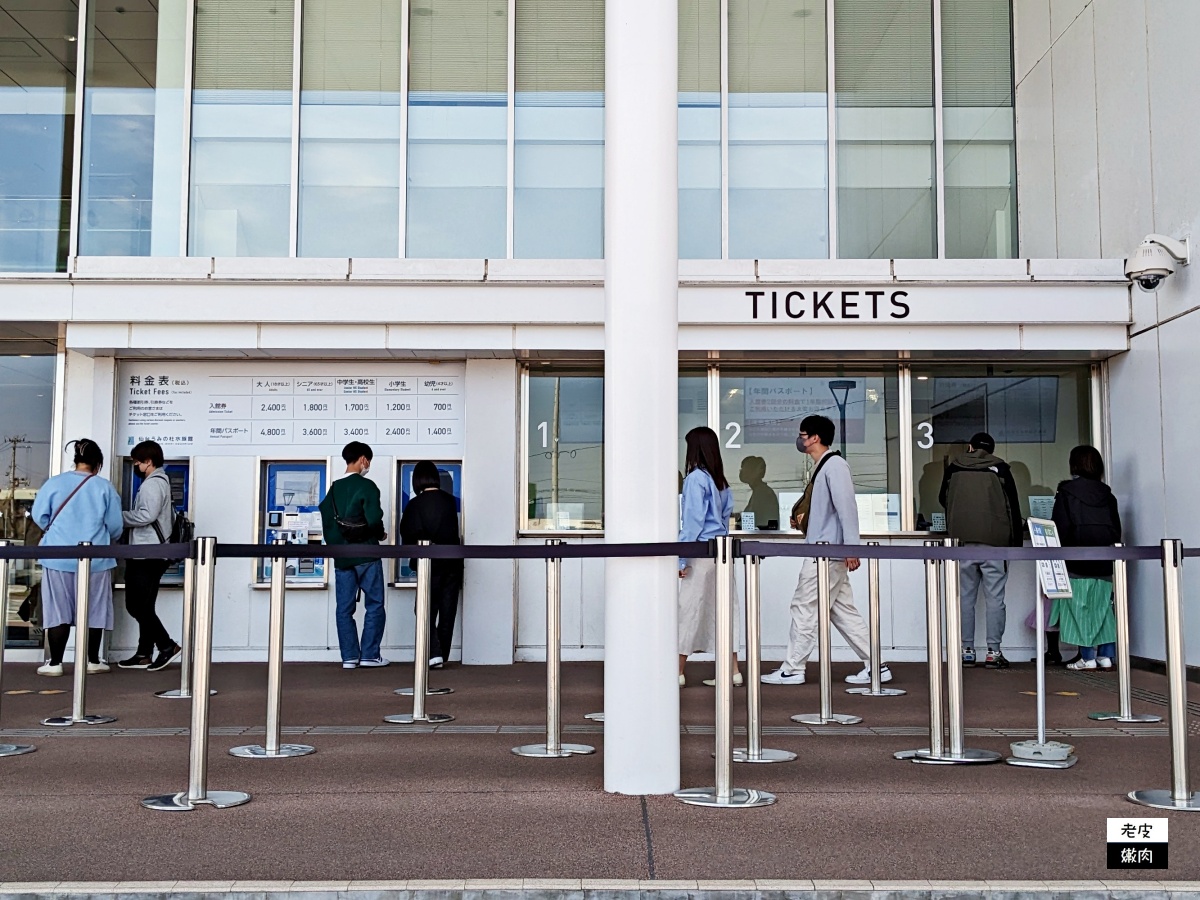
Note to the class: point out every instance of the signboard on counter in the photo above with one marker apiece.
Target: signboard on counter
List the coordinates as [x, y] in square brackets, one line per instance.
[232, 408]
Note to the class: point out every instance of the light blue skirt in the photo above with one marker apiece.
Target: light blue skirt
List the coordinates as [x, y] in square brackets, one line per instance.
[58, 598]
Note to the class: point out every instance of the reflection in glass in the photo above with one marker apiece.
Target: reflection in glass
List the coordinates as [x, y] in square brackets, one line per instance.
[693, 411]
[133, 129]
[977, 96]
[241, 129]
[37, 99]
[699, 129]
[565, 445]
[761, 415]
[1035, 414]
[558, 197]
[457, 129]
[350, 129]
[778, 130]
[885, 129]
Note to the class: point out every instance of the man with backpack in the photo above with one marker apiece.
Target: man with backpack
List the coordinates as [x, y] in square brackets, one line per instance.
[149, 522]
[982, 509]
[352, 514]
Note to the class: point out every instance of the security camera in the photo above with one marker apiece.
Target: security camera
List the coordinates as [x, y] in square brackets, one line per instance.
[1155, 258]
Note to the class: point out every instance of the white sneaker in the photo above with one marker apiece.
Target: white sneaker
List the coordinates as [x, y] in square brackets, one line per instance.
[864, 677]
[52, 671]
[1082, 664]
[783, 676]
[436, 662]
[98, 668]
[376, 663]
[682, 680]
[1104, 662]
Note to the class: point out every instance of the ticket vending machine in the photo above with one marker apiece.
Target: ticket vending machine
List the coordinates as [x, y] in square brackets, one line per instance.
[179, 472]
[451, 477]
[289, 494]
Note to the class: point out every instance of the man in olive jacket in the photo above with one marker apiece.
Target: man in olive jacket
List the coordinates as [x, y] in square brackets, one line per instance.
[354, 499]
[982, 509]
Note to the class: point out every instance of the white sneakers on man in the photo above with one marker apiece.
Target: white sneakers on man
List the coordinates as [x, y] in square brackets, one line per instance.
[864, 677]
[783, 675]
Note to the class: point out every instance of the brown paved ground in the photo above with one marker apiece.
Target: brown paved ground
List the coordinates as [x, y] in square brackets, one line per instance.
[460, 805]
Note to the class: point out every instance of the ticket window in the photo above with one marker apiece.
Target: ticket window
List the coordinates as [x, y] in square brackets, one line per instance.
[179, 473]
[289, 496]
[451, 482]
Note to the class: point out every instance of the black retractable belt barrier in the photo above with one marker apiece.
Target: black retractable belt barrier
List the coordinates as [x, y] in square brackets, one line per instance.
[876, 688]
[420, 686]
[1124, 682]
[5, 570]
[754, 752]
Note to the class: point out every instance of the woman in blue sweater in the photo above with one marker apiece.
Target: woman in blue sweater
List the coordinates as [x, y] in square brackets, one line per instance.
[704, 513]
[73, 507]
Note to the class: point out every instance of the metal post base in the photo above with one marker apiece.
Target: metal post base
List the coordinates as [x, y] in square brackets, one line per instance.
[946, 759]
[177, 694]
[1164, 800]
[1117, 717]
[408, 719]
[882, 692]
[742, 754]
[15, 749]
[1042, 763]
[180, 802]
[543, 752]
[408, 692]
[739, 798]
[64, 721]
[257, 751]
[818, 719]
[594, 717]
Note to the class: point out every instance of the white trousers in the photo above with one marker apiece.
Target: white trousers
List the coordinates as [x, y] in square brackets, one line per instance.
[802, 636]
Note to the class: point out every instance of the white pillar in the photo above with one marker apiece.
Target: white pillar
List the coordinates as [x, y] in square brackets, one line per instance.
[641, 386]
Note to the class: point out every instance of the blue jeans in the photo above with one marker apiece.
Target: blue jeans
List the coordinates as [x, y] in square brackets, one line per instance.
[1109, 650]
[991, 575]
[367, 578]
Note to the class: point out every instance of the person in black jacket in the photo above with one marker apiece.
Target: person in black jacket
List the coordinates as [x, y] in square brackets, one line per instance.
[1086, 514]
[432, 515]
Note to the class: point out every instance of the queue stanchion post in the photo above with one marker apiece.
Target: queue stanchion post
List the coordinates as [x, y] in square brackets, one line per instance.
[754, 752]
[873, 602]
[187, 628]
[1124, 679]
[197, 791]
[5, 572]
[958, 754]
[408, 691]
[1180, 796]
[79, 716]
[271, 747]
[554, 748]
[419, 715]
[933, 645]
[724, 795]
[825, 648]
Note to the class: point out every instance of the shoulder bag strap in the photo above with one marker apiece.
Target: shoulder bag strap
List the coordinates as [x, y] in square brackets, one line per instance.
[63, 505]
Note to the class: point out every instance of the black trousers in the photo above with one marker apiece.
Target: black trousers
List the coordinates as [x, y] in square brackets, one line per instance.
[444, 588]
[141, 592]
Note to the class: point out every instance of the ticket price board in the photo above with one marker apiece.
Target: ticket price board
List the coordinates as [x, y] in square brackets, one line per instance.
[289, 497]
[199, 408]
[451, 483]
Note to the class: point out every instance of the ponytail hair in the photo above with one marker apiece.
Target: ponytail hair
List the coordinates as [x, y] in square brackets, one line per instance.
[88, 453]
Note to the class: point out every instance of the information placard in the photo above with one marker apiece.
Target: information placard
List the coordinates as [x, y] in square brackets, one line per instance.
[1052, 573]
[197, 408]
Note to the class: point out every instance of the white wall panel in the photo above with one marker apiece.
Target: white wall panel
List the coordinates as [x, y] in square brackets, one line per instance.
[1031, 37]
[1077, 198]
[1064, 14]
[1035, 162]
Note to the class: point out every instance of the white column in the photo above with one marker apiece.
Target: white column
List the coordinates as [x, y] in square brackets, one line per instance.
[641, 386]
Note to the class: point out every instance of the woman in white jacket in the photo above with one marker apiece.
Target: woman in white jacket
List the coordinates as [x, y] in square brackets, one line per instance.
[149, 522]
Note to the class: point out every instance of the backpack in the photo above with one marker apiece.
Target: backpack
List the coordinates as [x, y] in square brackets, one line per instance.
[182, 530]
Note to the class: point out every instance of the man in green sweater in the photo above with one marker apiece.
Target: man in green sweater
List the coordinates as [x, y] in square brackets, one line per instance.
[351, 514]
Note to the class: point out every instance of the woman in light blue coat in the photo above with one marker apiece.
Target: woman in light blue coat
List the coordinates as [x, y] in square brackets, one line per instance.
[704, 513]
[73, 507]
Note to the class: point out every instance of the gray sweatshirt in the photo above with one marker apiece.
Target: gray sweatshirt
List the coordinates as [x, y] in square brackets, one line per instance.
[833, 515]
[152, 503]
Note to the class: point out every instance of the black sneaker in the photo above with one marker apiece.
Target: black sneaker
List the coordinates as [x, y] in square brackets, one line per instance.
[165, 658]
[137, 661]
[995, 660]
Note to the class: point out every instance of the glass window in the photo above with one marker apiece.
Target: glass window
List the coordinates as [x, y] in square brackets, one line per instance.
[699, 129]
[977, 98]
[564, 439]
[761, 413]
[26, 409]
[242, 129]
[350, 129]
[885, 129]
[778, 130]
[558, 199]
[457, 129]
[1035, 415]
[693, 410]
[37, 102]
[133, 110]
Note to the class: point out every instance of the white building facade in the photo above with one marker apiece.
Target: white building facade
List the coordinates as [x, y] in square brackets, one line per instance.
[550, 244]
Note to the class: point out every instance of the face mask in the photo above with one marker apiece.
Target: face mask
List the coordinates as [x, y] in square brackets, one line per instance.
[800, 445]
